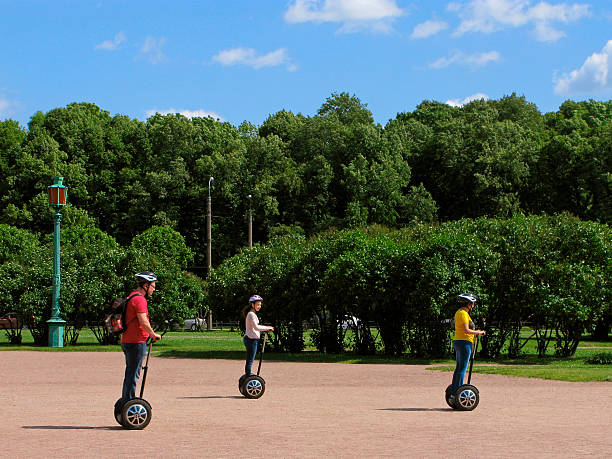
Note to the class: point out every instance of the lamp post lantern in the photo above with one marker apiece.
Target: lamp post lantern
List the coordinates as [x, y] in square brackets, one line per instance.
[57, 199]
[250, 224]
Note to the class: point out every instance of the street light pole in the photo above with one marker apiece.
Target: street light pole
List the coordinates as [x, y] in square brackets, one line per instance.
[209, 235]
[209, 227]
[250, 224]
[57, 199]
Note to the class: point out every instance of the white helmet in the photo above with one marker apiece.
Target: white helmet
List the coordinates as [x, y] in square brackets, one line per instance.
[466, 298]
[145, 276]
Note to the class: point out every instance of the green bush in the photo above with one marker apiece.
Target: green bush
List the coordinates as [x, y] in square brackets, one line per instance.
[549, 272]
[94, 270]
[601, 358]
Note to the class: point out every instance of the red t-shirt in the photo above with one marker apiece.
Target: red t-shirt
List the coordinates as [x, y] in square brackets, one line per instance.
[135, 333]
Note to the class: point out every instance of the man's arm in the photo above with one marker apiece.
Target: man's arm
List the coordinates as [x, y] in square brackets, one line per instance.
[143, 320]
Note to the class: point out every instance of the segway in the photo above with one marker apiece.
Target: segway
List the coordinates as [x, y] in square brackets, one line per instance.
[467, 396]
[253, 386]
[135, 414]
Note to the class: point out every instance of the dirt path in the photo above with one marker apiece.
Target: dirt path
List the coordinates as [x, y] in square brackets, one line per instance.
[60, 405]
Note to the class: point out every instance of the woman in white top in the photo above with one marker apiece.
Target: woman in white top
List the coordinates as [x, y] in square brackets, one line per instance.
[253, 330]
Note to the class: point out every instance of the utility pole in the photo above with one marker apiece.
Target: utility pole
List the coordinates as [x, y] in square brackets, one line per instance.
[209, 245]
[250, 224]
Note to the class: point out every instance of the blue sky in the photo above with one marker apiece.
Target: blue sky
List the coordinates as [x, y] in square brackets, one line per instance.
[242, 60]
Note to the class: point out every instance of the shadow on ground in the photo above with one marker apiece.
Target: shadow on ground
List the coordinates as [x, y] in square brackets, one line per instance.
[72, 427]
[306, 356]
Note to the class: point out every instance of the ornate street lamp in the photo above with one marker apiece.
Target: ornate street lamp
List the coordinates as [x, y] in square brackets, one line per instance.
[57, 200]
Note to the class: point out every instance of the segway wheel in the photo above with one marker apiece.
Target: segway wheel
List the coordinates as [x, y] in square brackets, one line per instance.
[118, 411]
[241, 383]
[467, 397]
[447, 396]
[254, 386]
[136, 414]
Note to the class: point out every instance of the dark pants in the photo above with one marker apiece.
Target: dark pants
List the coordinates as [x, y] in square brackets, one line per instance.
[462, 354]
[251, 349]
[134, 355]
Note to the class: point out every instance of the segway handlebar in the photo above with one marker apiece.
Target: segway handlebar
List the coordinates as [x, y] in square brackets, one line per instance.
[472, 359]
[261, 353]
[146, 365]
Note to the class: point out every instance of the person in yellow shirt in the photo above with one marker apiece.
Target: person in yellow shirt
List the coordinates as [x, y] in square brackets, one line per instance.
[463, 339]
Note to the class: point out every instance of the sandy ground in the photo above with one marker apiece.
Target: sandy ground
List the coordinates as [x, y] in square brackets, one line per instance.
[61, 405]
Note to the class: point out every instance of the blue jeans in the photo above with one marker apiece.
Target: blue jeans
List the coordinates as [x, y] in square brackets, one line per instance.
[251, 349]
[134, 355]
[463, 350]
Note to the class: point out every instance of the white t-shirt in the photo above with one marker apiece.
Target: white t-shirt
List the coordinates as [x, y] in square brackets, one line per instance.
[252, 326]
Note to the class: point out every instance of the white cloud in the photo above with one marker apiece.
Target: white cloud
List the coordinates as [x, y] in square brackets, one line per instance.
[428, 28]
[186, 113]
[470, 60]
[7, 107]
[544, 32]
[595, 75]
[4, 104]
[251, 58]
[111, 45]
[355, 15]
[152, 49]
[467, 100]
[492, 15]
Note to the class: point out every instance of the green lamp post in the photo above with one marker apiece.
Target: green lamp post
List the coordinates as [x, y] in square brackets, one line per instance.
[57, 200]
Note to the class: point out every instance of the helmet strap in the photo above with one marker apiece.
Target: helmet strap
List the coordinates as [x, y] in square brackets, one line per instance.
[145, 289]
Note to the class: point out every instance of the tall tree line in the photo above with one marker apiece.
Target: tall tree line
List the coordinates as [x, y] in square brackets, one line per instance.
[338, 168]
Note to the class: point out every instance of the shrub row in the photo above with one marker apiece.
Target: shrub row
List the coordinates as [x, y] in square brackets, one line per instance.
[550, 272]
[94, 270]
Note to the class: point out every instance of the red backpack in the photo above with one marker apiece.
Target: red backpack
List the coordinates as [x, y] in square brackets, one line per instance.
[115, 320]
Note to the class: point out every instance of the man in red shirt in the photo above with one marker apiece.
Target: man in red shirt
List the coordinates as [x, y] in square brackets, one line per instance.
[138, 329]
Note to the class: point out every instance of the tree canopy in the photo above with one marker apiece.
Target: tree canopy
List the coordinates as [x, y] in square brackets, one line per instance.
[495, 158]
[137, 190]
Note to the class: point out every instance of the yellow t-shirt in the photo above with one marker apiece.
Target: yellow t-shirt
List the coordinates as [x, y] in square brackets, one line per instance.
[462, 317]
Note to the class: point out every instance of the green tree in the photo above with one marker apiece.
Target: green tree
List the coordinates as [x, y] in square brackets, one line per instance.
[348, 109]
[473, 161]
[179, 294]
[17, 248]
[573, 173]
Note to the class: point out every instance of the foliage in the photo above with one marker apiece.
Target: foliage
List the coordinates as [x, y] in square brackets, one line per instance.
[94, 270]
[495, 158]
[601, 358]
[550, 272]
[453, 187]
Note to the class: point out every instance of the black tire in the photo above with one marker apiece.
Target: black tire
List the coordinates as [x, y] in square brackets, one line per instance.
[194, 327]
[447, 395]
[241, 383]
[136, 414]
[118, 411]
[467, 397]
[254, 386]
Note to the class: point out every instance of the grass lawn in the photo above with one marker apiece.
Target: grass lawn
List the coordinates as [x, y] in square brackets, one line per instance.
[570, 369]
[224, 344]
[529, 365]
